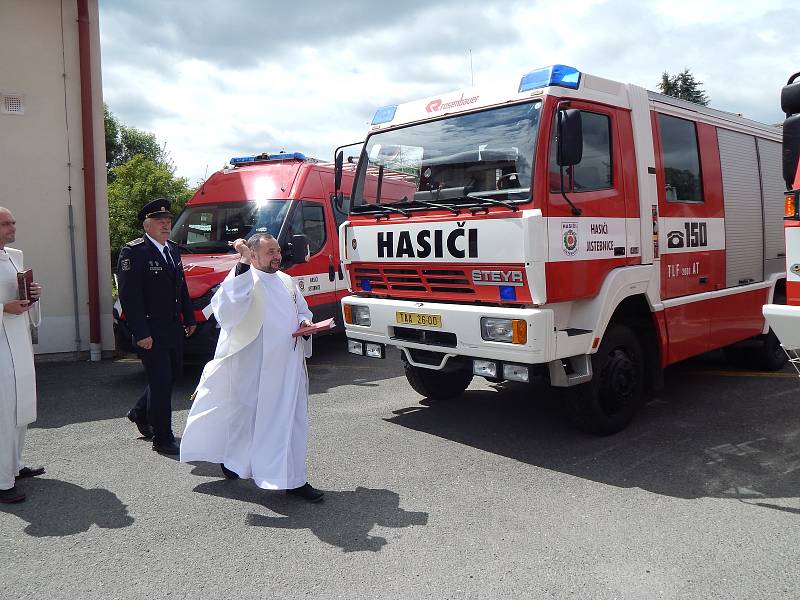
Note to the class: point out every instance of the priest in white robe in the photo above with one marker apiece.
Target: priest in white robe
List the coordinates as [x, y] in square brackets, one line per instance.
[17, 375]
[250, 410]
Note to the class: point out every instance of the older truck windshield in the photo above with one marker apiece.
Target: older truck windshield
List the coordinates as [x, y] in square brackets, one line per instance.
[208, 228]
[485, 154]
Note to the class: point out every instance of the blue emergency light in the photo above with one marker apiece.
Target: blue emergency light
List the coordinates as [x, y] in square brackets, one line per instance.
[243, 160]
[508, 292]
[384, 115]
[366, 285]
[562, 75]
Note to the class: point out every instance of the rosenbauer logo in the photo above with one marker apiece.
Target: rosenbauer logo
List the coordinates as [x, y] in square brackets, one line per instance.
[437, 105]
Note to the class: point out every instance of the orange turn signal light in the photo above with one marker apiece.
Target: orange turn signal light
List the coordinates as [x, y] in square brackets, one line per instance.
[790, 206]
[519, 331]
[348, 313]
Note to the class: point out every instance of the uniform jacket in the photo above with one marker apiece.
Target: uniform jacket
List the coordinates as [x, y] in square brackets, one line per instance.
[153, 295]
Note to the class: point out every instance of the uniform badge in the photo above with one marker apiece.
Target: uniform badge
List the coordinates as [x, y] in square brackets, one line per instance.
[126, 264]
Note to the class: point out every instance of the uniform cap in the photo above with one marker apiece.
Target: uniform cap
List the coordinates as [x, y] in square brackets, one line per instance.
[155, 208]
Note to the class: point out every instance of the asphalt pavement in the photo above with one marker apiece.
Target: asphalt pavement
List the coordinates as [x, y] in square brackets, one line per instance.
[491, 495]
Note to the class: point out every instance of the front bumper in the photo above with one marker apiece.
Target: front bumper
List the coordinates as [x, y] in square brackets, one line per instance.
[460, 331]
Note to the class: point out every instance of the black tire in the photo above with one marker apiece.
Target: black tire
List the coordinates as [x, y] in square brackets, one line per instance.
[608, 403]
[763, 353]
[771, 356]
[437, 385]
[737, 357]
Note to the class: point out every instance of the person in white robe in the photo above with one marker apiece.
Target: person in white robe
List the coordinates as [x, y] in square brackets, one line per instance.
[250, 409]
[17, 375]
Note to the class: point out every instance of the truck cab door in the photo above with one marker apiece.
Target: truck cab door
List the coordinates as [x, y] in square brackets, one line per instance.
[583, 248]
[314, 277]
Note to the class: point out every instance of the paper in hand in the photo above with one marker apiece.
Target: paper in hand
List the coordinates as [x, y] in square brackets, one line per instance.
[325, 325]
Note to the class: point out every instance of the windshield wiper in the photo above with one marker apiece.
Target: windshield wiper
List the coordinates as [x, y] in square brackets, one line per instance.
[452, 209]
[513, 207]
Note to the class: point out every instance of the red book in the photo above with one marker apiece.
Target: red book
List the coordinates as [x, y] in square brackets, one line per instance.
[315, 328]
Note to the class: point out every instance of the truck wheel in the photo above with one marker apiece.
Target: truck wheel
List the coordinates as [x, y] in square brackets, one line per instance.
[608, 403]
[438, 385]
[771, 356]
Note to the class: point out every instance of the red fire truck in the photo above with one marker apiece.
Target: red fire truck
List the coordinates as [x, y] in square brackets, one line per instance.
[785, 320]
[287, 195]
[566, 226]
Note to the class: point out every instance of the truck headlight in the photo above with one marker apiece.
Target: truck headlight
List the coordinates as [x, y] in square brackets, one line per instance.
[356, 314]
[510, 331]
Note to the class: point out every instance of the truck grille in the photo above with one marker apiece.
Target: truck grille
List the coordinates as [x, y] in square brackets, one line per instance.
[410, 280]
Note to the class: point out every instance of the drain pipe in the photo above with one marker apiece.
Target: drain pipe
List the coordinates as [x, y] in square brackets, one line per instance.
[87, 119]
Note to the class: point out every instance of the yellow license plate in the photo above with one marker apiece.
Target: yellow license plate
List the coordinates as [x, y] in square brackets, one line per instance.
[407, 318]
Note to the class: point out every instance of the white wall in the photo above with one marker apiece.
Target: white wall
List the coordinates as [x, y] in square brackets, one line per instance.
[41, 158]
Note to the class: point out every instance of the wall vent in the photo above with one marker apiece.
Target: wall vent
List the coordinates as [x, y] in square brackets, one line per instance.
[12, 104]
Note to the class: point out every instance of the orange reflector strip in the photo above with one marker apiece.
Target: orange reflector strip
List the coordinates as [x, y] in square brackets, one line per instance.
[348, 313]
[595, 342]
[789, 207]
[519, 328]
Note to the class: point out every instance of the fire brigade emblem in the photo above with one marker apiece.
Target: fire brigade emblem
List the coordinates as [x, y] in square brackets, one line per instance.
[302, 285]
[569, 237]
[354, 244]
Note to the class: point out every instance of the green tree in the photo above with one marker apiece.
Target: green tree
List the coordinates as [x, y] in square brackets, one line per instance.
[134, 184]
[124, 142]
[683, 86]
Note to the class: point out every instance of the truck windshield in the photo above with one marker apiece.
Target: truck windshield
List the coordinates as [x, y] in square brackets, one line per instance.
[456, 160]
[209, 228]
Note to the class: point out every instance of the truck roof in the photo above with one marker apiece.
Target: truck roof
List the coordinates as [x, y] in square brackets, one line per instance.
[561, 80]
[267, 180]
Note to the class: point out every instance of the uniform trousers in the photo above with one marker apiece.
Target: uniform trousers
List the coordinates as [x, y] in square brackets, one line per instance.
[12, 437]
[163, 364]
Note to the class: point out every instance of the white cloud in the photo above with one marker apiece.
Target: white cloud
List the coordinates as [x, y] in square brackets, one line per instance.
[216, 80]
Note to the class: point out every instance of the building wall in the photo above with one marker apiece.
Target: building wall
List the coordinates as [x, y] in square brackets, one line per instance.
[41, 170]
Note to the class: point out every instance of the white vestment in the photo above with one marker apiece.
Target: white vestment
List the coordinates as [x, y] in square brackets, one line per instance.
[17, 375]
[250, 410]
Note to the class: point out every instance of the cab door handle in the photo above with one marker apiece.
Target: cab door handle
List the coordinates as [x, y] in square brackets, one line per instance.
[704, 279]
[331, 270]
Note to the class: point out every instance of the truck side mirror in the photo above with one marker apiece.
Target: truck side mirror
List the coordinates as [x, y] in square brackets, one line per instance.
[570, 137]
[341, 203]
[298, 249]
[790, 104]
[791, 149]
[337, 172]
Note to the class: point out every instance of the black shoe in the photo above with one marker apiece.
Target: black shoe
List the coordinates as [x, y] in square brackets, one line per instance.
[228, 473]
[166, 447]
[307, 493]
[11, 496]
[141, 424]
[29, 472]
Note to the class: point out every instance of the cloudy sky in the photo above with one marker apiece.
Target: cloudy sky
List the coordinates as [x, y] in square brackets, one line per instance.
[216, 79]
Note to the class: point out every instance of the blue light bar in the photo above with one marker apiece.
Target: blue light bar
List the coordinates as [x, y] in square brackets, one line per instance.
[384, 115]
[508, 292]
[366, 285]
[568, 77]
[243, 160]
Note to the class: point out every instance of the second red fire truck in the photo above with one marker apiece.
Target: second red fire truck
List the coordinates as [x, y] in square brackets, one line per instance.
[566, 226]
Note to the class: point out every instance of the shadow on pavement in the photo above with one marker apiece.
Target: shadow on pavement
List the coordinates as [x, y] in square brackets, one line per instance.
[56, 508]
[342, 519]
[710, 433]
[79, 392]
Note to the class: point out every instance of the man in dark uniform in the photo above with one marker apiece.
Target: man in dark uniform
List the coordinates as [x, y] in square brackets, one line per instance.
[156, 305]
